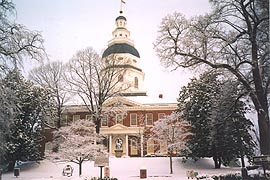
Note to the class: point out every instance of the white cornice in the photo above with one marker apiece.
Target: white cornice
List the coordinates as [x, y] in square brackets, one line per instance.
[121, 129]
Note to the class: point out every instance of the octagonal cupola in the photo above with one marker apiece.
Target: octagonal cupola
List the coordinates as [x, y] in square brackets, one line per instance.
[121, 22]
[121, 51]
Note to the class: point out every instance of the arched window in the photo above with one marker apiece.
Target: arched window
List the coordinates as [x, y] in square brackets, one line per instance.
[136, 82]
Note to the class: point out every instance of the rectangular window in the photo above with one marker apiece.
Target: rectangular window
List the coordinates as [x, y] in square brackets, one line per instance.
[133, 119]
[64, 119]
[163, 148]
[76, 117]
[133, 146]
[104, 121]
[149, 119]
[161, 115]
[119, 119]
[150, 147]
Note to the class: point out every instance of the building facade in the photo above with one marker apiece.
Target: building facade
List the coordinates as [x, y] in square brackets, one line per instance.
[127, 129]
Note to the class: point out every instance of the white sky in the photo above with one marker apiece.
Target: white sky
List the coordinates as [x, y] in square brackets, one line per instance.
[71, 25]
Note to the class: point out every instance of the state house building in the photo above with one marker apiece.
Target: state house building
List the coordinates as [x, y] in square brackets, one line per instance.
[127, 133]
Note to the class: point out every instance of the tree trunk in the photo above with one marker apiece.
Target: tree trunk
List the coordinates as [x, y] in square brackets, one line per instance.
[260, 102]
[97, 123]
[80, 168]
[11, 165]
[261, 97]
[59, 110]
[171, 167]
[217, 162]
[97, 126]
[264, 133]
[58, 124]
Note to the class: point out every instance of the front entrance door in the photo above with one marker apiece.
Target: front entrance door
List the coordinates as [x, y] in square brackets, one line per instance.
[133, 149]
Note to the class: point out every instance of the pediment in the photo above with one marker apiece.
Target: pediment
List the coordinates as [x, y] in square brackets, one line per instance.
[120, 101]
[118, 127]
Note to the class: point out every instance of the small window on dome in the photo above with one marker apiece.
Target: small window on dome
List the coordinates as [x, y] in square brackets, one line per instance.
[134, 61]
[136, 82]
[120, 34]
[120, 58]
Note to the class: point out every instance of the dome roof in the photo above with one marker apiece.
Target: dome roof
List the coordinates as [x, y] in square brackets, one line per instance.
[120, 17]
[120, 48]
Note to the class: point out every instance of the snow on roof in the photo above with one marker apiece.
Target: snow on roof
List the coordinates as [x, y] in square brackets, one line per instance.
[145, 100]
[149, 100]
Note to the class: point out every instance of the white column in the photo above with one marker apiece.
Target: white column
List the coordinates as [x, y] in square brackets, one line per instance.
[110, 145]
[141, 145]
[126, 145]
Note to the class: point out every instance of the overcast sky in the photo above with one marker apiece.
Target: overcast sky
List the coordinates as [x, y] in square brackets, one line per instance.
[71, 25]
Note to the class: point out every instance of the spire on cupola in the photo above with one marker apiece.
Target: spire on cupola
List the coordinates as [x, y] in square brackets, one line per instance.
[121, 6]
[127, 58]
[121, 34]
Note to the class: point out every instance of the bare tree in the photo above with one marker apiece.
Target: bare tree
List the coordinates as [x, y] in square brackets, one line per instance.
[51, 77]
[172, 131]
[17, 41]
[234, 37]
[95, 80]
[76, 143]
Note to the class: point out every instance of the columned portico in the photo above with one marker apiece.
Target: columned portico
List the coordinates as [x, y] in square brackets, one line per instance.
[121, 134]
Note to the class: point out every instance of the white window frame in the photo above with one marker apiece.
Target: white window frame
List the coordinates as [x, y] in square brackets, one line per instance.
[103, 119]
[76, 117]
[132, 119]
[64, 119]
[122, 119]
[147, 118]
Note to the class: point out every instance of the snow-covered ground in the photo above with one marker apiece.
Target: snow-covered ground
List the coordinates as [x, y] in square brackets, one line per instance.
[121, 168]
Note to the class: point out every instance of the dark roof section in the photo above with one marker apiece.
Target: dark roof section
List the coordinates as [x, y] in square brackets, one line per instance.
[124, 66]
[120, 17]
[120, 48]
[134, 94]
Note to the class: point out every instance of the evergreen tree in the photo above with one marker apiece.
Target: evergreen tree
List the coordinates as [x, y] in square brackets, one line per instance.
[195, 101]
[24, 139]
[231, 136]
[6, 116]
[217, 116]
